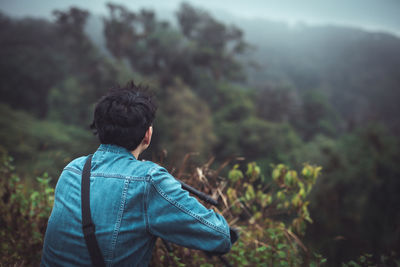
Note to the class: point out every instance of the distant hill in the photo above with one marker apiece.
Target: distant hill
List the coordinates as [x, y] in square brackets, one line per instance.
[358, 71]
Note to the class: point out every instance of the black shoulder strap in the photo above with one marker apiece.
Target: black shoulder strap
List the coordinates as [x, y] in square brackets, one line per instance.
[87, 224]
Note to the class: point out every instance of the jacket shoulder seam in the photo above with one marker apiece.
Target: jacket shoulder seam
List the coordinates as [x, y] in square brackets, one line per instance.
[106, 175]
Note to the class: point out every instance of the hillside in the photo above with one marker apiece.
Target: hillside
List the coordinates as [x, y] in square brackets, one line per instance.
[358, 71]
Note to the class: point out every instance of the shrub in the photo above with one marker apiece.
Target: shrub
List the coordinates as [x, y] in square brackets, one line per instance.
[23, 216]
[270, 212]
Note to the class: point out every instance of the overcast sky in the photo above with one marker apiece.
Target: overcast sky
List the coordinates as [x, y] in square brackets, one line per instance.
[376, 15]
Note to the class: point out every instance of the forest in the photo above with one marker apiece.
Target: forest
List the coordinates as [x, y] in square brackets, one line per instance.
[294, 130]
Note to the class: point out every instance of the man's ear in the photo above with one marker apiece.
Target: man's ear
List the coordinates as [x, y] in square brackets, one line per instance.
[147, 136]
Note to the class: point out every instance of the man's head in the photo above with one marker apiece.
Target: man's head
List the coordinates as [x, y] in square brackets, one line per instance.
[123, 116]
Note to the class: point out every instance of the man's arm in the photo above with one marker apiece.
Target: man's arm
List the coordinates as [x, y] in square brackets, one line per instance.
[179, 218]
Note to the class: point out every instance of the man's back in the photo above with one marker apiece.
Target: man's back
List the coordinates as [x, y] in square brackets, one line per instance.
[132, 203]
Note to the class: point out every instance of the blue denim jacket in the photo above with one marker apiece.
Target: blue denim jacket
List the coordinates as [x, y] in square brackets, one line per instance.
[132, 203]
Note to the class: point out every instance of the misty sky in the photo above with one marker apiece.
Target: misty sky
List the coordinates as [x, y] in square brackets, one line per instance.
[376, 15]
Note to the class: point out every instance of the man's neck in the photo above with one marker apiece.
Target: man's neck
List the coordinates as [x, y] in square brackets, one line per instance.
[135, 153]
[138, 151]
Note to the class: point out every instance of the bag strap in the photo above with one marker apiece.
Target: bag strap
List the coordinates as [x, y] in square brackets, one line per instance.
[87, 223]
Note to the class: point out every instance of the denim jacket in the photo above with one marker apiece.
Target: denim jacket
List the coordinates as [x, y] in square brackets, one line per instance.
[132, 203]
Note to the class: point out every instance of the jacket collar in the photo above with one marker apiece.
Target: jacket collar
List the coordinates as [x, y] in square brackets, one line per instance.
[114, 149]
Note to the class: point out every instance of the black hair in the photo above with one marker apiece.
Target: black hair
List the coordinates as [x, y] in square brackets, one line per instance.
[123, 115]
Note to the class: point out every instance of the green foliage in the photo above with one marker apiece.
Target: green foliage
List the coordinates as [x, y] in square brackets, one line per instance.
[356, 191]
[27, 46]
[41, 146]
[184, 117]
[67, 103]
[216, 45]
[367, 260]
[240, 132]
[256, 139]
[235, 174]
[203, 48]
[23, 216]
[318, 116]
[278, 104]
[272, 217]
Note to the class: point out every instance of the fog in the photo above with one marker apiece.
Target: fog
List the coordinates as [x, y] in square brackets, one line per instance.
[373, 15]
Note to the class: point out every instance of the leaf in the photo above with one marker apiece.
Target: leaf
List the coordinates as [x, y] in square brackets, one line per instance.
[281, 246]
[253, 171]
[276, 173]
[235, 174]
[250, 195]
[281, 254]
[288, 178]
[280, 195]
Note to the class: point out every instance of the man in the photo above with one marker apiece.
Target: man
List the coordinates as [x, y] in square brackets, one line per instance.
[132, 202]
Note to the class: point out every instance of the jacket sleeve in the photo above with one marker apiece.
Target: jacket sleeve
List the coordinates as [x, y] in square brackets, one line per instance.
[174, 216]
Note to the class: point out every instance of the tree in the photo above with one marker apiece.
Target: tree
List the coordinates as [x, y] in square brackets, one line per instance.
[185, 124]
[89, 73]
[139, 38]
[241, 132]
[152, 47]
[215, 45]
[26, 46]
[278, 104]
[357, 191]
[317, 116]
[71, 25]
